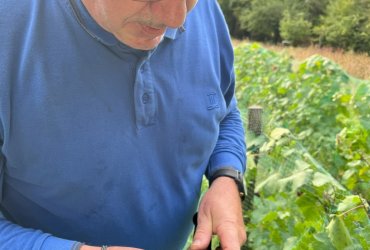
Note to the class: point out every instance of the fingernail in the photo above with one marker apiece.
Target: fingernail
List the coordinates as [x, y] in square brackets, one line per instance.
[196, 242]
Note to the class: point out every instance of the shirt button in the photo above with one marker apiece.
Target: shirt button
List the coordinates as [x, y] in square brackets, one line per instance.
[145, 98]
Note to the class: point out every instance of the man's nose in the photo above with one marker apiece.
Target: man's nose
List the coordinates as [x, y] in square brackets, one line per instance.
[171, 13]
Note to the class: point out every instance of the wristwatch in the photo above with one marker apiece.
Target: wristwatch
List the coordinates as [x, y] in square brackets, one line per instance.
[232, 173]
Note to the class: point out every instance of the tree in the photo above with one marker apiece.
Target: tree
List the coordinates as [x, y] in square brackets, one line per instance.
[347, 25]
[232, 10]
[295, 28]
[315, 9]
[263, 18]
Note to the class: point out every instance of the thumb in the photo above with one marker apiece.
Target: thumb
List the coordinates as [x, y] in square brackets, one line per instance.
[203, 233]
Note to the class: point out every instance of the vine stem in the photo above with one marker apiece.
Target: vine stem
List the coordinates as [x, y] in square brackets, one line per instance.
[350, 210]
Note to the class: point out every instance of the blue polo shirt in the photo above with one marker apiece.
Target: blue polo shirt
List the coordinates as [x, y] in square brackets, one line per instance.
[104, 144]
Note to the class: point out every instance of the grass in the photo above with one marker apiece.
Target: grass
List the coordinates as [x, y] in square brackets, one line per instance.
[355, 64]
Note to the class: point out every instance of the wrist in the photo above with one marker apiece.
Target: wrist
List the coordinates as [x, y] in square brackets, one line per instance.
[232, 174]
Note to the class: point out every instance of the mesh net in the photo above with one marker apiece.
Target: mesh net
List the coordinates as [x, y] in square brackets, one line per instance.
[284, 175]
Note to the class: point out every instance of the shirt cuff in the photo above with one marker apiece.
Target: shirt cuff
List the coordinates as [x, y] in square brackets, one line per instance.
[222, 160]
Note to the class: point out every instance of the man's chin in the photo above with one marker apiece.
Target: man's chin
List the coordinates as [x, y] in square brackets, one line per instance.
[144, 44]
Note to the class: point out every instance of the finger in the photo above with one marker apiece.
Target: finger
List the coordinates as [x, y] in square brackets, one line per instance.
[229, 237]
[203, 233]
[123, 248]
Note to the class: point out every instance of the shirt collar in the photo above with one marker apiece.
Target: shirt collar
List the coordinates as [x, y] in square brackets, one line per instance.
[171, 33]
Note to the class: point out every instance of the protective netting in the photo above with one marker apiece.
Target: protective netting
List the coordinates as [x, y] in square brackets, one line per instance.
[292, 200]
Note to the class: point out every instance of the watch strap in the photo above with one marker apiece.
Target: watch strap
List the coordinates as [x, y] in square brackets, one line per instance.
[232, 173]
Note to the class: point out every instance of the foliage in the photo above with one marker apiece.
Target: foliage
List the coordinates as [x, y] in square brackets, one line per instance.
[262, 19]
[313, 173]
[347, 25]
[292, 98]
[314, 9]
[299, 205]
[295, 28]
[327, 109]
[338, 23]
[232, 10]
[353, 141]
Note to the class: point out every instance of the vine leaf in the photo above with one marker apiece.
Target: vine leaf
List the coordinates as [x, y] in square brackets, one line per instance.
[320, 179]
[269, 183]
[339, 234]
[296, 180]
[277, 133]
[349, 202]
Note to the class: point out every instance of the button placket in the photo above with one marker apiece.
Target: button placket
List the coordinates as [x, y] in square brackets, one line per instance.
[144, 96]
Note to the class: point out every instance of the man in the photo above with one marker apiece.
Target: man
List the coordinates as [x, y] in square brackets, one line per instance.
[111, 111]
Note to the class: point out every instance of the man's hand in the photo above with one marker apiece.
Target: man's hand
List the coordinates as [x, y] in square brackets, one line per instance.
[220, 213]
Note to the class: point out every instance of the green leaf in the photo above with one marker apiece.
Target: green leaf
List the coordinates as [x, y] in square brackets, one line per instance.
[310, 207]
[267, 147]
[338, 234]
[255, 143]
[353, 164]
[270, 183]
[304, 134]
[320, 179]
[277, 133]
[322, 242]
[296, 180]
[301, 164]
[290, 243]
[348, 173]
[349, 202]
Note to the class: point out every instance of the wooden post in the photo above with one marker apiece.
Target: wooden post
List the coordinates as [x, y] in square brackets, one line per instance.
[255, 120]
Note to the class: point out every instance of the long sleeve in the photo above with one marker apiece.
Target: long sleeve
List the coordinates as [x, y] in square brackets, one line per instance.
[14, 237]
[230, 148]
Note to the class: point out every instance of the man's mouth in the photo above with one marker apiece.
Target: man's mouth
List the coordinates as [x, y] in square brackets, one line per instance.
[152, 31]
